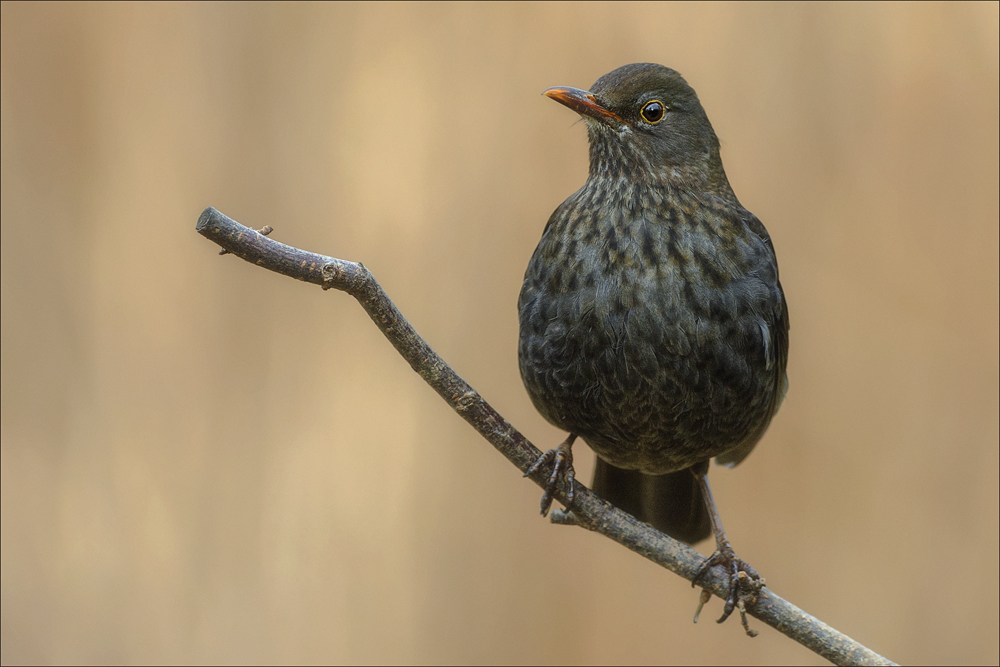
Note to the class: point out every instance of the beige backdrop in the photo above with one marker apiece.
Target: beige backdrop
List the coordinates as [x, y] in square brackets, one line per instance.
[203, 461]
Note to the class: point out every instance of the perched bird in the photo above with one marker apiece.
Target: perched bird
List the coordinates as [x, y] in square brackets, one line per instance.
[652, 322]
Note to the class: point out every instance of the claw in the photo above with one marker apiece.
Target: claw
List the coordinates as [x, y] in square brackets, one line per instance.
[562, 457]
[705, 596]
[743, 619]
[744, 587]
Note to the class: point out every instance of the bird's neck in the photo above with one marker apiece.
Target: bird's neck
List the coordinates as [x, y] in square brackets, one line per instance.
[620, 162]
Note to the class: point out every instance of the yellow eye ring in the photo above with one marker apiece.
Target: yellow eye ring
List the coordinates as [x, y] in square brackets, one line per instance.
[653, 111]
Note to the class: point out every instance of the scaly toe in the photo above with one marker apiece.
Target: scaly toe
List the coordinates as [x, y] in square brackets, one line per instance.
[744, 587]
[562, 466]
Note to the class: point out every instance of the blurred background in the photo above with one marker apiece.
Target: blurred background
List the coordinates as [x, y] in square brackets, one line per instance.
[206, 462]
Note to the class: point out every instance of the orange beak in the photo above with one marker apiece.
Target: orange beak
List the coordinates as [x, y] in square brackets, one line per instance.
[582, 102]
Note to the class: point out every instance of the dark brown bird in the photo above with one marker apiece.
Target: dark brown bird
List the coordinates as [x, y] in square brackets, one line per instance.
[653, 324]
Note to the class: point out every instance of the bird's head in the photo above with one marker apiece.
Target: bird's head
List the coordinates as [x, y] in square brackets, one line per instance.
[646, 124]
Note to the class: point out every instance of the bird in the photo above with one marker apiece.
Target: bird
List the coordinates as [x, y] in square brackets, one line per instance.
[653, 325]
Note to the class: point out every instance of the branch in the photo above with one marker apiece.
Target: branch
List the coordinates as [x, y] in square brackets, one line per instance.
[588, 510]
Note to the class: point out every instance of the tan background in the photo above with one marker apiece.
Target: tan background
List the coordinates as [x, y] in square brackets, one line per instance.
[203, 461]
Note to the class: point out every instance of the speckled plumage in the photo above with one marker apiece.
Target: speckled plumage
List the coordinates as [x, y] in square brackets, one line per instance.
[652, 321]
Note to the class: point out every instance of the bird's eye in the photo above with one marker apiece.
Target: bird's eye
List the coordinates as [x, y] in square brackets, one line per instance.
[653, 112]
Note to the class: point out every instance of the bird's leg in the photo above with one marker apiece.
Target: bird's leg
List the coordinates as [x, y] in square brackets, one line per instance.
[744, 582]
[562, 466]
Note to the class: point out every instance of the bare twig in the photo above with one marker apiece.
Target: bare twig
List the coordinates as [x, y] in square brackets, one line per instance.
[588, 510]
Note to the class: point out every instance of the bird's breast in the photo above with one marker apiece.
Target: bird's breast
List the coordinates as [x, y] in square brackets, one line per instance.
[625, 248]
[640, 326]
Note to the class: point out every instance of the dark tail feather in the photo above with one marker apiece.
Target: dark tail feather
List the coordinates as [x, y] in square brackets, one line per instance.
[671, 503]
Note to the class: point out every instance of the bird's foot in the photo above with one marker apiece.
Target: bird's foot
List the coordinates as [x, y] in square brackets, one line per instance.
[744, 585]
[562, 458]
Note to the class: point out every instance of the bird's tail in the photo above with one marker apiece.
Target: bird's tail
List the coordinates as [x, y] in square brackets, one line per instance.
[671, 503]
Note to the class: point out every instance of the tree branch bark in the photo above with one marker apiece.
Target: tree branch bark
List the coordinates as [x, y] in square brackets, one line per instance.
[588, 510]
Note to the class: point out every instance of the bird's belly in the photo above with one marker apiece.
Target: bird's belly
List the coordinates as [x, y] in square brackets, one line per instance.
[651, 381]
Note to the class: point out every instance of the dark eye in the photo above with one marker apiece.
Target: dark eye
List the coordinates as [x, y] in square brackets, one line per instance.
[653, 112]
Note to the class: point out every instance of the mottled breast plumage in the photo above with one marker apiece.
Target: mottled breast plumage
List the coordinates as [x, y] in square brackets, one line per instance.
[653, 325]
